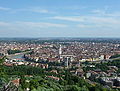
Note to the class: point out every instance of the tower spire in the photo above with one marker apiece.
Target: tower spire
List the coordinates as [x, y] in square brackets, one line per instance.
[60, 50]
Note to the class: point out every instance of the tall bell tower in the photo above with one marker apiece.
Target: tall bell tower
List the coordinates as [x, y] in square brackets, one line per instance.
[60, 50]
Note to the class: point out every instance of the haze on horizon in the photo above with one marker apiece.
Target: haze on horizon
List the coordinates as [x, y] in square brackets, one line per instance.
[59, 18]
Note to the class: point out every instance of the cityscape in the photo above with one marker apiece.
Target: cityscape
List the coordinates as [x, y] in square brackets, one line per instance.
[94, 60]
[59, 45]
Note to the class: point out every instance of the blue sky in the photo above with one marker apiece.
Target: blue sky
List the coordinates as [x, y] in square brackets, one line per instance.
[59, 18]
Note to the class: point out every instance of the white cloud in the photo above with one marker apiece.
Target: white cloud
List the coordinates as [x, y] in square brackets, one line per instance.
[94, 26]
[40, 24]
[4, 9]
[99, 12]
[88, 19]
[38, 10]
[115, 14]
[73, 7]
[31, 25]
[34, 10]
[95, 19]
[82, 26]
[75, 19]
[4, 24]
[94, 22]
[104, 12]
[100, 23]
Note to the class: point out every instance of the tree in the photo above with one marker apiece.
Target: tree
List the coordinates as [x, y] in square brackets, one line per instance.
[2, 73]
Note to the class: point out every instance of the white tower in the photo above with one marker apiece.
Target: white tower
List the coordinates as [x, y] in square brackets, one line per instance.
[60, 50]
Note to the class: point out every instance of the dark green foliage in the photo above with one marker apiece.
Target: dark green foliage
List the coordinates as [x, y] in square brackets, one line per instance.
[2, 73]
[102, 66]
[23, 70]
[115, 56]
[40, 81]
[114, 63]
[13, 51]
[3, 76]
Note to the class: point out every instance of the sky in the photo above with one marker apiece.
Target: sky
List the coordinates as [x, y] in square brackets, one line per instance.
[59, 18]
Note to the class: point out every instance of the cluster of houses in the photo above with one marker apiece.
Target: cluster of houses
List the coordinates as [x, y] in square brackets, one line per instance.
[11, 63]
[109, 78]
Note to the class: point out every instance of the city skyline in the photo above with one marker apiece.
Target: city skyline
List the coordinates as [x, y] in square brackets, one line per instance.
[46, 18]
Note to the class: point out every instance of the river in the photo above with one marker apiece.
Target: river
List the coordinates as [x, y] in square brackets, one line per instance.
[18, 57]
